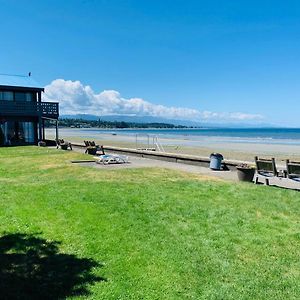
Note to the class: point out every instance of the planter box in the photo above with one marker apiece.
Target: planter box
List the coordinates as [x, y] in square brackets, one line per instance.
[245, 174]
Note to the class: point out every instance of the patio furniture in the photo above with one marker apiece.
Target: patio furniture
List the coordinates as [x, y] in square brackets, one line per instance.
[92, 148]
[90, 144]
[265, 168]
[64, 145]
[293, 170]
[111, 159]
[98, 147]
[245, 172]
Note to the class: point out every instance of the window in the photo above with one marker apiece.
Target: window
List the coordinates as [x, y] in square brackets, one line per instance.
[17, 133]
[19, 96]
[29, 96]
[26, 132]
[6, 96]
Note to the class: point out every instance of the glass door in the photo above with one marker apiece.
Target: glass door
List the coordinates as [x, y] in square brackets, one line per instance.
[14, 133]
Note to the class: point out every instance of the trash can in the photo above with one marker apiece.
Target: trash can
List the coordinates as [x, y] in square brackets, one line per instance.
[216, 161]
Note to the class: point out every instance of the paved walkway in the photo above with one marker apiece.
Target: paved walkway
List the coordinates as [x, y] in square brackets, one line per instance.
[141, 162]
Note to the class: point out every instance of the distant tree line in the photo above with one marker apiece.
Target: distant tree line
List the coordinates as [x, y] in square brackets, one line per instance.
[81, 123]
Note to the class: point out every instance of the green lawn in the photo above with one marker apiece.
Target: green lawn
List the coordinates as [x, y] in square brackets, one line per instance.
[72, 231]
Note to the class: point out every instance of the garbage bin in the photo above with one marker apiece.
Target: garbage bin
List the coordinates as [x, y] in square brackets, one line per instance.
[216, 161]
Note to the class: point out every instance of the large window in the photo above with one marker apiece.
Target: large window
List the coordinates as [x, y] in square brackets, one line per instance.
[23, 96]
[26, 132]
[16, 96]
[6, 95]
[17, 133]
[8, 133]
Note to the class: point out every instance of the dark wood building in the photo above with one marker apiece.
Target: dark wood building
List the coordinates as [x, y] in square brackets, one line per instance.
[22, 111]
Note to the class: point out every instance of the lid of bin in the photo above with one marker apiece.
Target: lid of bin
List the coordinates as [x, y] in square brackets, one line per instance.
[217, 155]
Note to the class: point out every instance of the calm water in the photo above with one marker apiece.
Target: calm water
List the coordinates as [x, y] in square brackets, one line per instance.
[270, 135]
[192, 137]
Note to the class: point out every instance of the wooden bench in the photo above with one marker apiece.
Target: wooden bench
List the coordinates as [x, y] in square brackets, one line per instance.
[92, 148]
[293, 170]
[64, 145]
[265, 168]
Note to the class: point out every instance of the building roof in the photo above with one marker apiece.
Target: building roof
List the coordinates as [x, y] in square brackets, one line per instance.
[19, 81]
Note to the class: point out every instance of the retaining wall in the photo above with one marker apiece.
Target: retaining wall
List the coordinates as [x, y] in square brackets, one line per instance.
[171, 157]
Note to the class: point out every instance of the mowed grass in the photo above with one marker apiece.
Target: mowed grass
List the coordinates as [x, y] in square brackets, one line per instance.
[142, 233]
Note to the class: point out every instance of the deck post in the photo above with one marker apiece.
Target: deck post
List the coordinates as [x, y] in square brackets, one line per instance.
[43, 129]
[56, 130]
[40, 129]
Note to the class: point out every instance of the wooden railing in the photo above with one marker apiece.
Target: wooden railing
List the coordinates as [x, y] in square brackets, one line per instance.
[23, 108]
[49, 109]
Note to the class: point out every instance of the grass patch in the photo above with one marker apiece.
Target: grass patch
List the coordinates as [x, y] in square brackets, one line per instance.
[71, 231]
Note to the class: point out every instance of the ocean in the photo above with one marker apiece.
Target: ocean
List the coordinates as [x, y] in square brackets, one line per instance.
[281, 136]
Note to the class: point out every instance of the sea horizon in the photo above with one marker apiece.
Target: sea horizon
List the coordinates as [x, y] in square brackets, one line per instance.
[265, 132]
[282, 136]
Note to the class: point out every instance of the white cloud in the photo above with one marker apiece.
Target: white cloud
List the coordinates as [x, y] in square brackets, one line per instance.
[75, 98]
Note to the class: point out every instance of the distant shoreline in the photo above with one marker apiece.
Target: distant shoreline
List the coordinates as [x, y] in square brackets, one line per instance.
[131, 128]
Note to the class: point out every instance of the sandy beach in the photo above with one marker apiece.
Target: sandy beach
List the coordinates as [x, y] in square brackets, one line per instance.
[230, 148]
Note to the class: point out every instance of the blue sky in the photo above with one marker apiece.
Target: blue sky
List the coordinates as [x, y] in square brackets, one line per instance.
[220, 57]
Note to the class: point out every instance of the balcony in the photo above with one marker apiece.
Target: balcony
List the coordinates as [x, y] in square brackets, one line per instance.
[29, 109]
[49, 109]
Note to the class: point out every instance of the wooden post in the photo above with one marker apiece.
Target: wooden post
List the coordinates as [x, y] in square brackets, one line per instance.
[39, 97]
[40, 132]
[56, 130]
[40, 129]
[43, 129]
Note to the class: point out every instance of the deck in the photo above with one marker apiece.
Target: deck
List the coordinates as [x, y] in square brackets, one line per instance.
[32, 109]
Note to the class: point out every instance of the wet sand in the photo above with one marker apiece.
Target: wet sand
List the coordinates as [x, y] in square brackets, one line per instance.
[232, 150]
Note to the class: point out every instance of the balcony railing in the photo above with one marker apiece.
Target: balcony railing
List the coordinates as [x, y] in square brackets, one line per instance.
[49, 109]
[23, 108]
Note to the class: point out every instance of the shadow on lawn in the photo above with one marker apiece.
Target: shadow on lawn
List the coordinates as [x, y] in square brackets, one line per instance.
[33, 268]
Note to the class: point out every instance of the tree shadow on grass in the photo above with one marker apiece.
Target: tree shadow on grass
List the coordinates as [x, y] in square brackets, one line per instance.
[33, 268]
